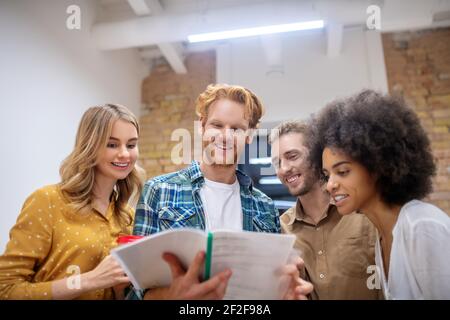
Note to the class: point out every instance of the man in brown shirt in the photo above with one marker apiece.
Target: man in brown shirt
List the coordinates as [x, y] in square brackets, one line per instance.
[337, 250]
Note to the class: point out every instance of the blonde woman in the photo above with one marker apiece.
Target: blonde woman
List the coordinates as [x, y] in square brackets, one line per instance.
[59, 246]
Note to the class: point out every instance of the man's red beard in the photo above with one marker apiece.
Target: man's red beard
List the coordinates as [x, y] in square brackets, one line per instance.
[208, 154]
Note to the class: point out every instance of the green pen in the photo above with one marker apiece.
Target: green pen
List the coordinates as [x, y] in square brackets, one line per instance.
[209, 243]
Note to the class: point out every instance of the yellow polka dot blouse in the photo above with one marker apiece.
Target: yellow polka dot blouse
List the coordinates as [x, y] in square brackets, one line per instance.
[49, 241]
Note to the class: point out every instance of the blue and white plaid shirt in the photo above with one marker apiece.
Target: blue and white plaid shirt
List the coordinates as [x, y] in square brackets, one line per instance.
[173, 201]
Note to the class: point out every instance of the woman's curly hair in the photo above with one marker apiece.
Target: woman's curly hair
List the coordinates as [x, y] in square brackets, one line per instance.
[385, 136]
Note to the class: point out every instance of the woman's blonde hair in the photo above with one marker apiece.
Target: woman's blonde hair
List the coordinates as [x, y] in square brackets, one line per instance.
[78, 169]
[253, 107]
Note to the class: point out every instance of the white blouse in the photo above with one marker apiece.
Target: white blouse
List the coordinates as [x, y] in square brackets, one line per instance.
[419, 265]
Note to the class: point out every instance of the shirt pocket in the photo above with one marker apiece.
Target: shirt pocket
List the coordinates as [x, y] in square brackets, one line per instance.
[353, 257]
[177, 217]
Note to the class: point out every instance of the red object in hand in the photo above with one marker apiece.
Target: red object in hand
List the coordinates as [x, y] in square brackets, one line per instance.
[127, 239]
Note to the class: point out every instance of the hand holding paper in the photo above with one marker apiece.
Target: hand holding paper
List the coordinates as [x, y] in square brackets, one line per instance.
[186, 284]
[253, 258]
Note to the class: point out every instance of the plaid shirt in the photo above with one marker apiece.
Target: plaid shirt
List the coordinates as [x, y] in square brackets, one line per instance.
[173, 201]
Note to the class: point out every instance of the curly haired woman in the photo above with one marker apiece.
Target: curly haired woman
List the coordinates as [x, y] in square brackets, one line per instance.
[376, 159]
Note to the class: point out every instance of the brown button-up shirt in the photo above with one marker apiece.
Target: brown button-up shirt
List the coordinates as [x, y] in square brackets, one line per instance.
[336, 251]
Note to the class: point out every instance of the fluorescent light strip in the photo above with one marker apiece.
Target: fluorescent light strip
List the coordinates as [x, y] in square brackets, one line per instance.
[269, 180]
[283, 203]
[239, 33]
[265, 160]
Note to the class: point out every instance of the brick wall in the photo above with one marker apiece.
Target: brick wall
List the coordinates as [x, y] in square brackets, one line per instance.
[168, 104]
[418, 68]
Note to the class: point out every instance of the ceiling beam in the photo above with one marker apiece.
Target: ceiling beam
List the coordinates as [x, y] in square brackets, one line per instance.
[139, 7]
[171, 27]
[173, 56]
[273, 52]
[171, 52]
[155, 6]
[334, 39]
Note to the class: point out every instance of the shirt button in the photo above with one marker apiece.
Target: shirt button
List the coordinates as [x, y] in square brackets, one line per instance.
[321, 276]
[317, 229]
[320, 252]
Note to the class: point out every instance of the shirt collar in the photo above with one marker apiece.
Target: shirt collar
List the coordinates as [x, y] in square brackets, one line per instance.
[297, 213]
[197, 178]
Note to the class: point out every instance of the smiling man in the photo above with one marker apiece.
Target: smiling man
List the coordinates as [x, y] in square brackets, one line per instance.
[211, 194]
[336, 250]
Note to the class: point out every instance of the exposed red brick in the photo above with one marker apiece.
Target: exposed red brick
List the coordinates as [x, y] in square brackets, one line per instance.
[168, 104]
[418, 68]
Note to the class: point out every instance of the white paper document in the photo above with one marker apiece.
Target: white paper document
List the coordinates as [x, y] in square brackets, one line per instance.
[255, 259]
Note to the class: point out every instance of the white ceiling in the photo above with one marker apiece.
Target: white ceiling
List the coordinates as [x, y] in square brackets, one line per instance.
[184, 6]
[401, 9]
[160, 27]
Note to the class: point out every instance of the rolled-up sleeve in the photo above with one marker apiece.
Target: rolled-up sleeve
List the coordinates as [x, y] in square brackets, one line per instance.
[146, 217]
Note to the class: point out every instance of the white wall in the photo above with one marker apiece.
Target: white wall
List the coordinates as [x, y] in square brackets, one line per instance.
[49, 76]
[311, 78]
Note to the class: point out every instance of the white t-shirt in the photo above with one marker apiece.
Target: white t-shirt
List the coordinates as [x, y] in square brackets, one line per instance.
[222, 205]
[419, 265]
